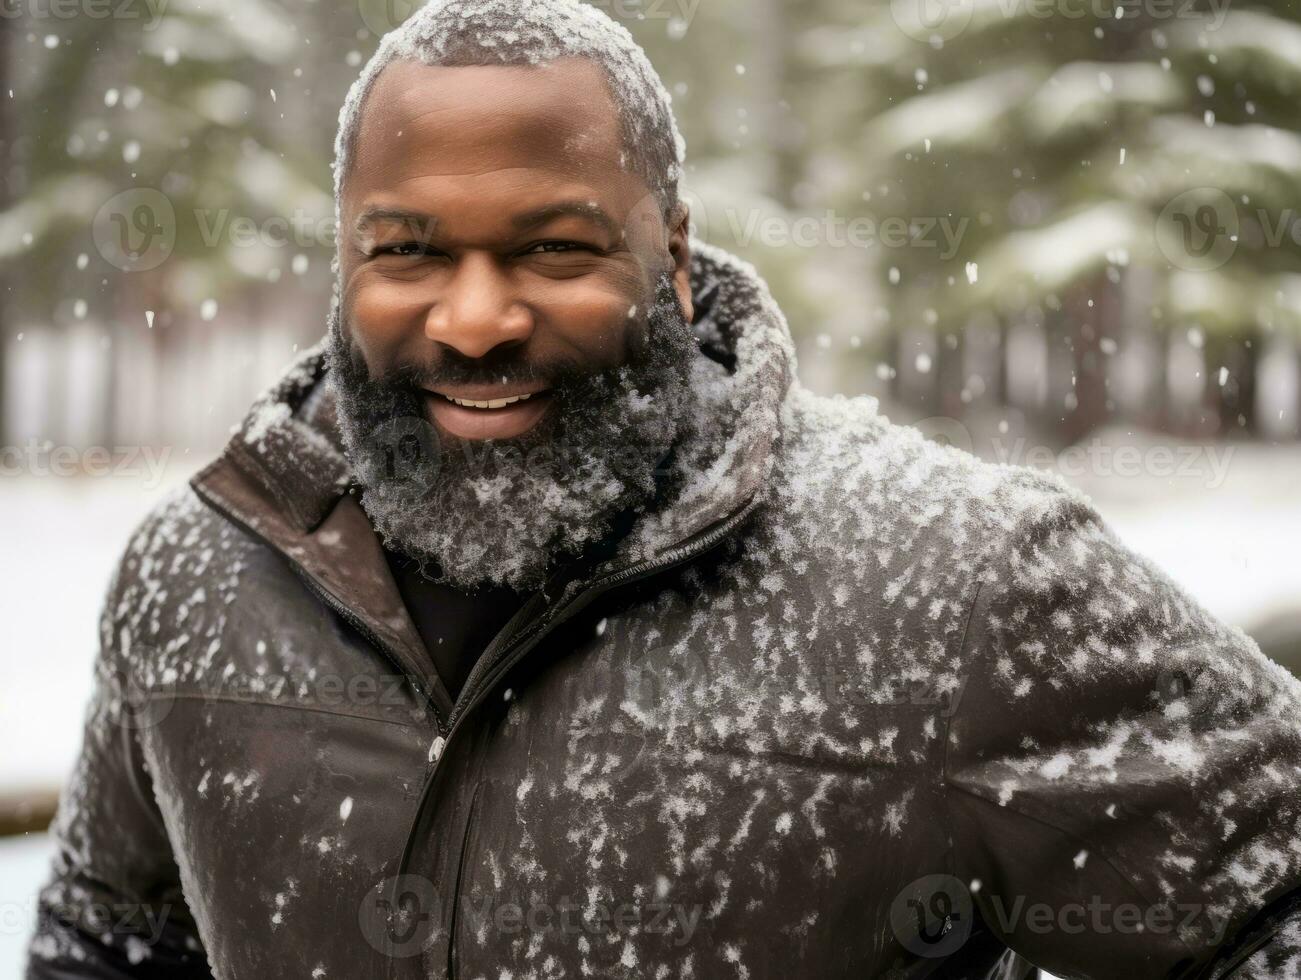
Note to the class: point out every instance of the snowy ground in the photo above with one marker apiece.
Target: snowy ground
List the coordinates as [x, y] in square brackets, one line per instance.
[1229, 532]
[1228, 529]
[23, 861]
[61, 538]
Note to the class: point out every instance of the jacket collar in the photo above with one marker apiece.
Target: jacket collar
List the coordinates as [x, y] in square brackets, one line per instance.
[283, 474]
[743, 381]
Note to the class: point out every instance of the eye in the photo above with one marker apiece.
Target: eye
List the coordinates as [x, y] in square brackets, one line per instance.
[558, 246]
[407, 249]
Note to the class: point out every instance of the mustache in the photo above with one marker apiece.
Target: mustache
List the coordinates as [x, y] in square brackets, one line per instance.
[452, 367]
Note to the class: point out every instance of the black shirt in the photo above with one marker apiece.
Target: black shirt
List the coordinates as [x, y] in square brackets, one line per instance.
[456, 625]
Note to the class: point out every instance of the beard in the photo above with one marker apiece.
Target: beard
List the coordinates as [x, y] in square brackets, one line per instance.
[505, 512]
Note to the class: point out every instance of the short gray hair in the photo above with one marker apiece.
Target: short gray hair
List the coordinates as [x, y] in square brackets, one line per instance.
[520, 32]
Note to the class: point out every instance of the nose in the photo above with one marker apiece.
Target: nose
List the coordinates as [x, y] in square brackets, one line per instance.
[478, 310]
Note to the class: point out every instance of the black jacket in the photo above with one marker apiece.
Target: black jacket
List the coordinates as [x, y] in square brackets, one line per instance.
[849, 705]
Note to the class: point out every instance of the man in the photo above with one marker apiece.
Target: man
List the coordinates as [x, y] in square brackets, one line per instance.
[539, 624]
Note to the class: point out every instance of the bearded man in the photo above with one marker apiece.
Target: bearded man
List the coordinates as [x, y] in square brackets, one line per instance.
[539, 623]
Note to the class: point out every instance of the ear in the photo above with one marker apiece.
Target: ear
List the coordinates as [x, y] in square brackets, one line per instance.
[680, 253]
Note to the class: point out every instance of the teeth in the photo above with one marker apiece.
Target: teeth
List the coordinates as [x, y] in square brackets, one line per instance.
[490, 403]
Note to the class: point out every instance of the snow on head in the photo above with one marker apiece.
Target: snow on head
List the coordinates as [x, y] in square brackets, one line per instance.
[533, 32]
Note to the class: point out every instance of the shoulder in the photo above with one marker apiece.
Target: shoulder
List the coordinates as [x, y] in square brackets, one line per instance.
[847, 472]
[176, 576]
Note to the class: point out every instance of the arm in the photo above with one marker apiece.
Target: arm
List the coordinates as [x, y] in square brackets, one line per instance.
[113, 907]
[1123, 774]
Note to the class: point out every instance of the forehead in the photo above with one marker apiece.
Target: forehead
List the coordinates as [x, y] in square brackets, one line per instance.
[482, 130]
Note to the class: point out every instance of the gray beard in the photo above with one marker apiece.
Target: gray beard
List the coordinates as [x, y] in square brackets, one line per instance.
[505, 512]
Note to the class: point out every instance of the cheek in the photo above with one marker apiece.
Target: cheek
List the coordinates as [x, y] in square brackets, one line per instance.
[383, 317]
[591, 320]
[590, 317]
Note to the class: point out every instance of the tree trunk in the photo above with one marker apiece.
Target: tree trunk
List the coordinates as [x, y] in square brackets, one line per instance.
[1004, 392]
[1230, 403]
[777, 122]
[949, 374]
[1088, 325]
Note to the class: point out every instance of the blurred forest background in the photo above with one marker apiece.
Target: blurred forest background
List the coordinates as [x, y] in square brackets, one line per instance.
[1029, 227]
[1029, 215]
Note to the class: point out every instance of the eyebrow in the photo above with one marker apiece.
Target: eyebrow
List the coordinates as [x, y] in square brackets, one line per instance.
[589, 210]
[402, 216]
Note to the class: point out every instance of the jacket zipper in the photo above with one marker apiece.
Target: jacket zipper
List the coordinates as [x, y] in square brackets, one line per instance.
[675, 556]
[452, 951]
[361, 627]
[514, 646]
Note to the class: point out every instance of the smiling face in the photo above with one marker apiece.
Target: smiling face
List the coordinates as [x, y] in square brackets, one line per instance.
[512, 350]
[494, 242]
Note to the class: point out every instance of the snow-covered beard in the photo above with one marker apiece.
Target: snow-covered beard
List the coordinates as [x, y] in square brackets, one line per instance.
[504, 511]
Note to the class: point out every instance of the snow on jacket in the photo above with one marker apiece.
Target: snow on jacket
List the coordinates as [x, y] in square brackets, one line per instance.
[850, 705]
